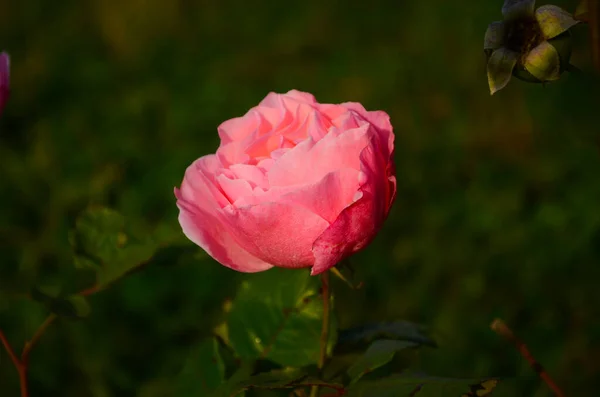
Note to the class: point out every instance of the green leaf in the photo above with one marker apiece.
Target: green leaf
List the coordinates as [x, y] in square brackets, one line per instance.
[397, 330]
[231, 387]
[101, 243]
[73, 307]
[377, 355]
[98, 234]
[128, 258]
[203, 371]
[287, 378]
[427, 386]
[277, 315]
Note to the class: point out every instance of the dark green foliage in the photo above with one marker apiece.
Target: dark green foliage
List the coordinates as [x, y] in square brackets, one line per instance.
[424, 386]
[101, 243]
[203, 372]
[378, 354]
[74, 307]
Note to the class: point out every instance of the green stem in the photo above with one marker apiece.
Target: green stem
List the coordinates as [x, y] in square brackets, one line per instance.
[326, 292]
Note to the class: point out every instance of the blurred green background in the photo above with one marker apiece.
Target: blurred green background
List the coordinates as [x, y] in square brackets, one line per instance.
[497, 212]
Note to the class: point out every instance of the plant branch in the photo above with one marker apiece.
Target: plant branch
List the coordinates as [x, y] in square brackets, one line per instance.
[35, 338]
[9, 350]
[326, 292]
[503, 330]
[22, 364]
[20, 367]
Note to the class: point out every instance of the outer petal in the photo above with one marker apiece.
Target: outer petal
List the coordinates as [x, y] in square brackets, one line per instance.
[500, 67]
[554, 20]
[357, 225]
[4, 79]
[515, 9]
[210, 233]
[302, 96]
[494, 36]
[380, 120]
[543, 62]
[281, 234]
[199, 185]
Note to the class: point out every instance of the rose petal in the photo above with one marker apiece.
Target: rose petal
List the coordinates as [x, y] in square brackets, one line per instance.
[234, 189]
[277, 232]
[515, 9]
[543, 62]
[239, 127]
[302, 96]
[554, 20]
[494, 36]
[208, 232]
[500, 67]
[250, 173]
[199, 185]
[326, 197]
[379, 119]
[357, 225]
[309, 162]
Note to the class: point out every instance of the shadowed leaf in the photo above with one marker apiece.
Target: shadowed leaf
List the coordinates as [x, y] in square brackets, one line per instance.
[74, 307]
[288, 378]
[101, 244]
[203, 371]
[377, 355]
[397, 330]
[428, 386]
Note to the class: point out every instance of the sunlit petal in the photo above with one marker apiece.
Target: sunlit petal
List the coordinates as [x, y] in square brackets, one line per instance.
[543, 62]
[500, 67]
[554, 20]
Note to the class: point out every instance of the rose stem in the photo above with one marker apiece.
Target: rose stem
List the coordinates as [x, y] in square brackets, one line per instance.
[314, 392]
[503, 330]
[22, 364]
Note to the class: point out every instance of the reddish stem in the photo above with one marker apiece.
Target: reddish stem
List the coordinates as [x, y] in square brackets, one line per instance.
[20, 367]
[502, 329]
[22, 364]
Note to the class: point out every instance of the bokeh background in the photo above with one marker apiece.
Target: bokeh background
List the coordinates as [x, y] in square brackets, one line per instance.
[497, 213]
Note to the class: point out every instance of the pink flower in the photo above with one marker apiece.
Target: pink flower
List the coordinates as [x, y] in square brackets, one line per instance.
[4, 79]
[294, 183]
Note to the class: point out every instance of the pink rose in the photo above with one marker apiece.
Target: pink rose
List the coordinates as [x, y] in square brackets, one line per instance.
[4, 79]
[294, 183]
